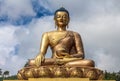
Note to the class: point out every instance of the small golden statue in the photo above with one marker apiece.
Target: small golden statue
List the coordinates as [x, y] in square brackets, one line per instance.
[67, 54]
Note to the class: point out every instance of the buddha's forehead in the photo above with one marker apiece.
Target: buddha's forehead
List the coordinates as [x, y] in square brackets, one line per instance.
[62, 13]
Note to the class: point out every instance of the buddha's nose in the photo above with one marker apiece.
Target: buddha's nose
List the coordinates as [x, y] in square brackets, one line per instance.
[61, 19]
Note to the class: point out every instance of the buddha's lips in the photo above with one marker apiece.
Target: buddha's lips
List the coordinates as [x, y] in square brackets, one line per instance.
[62, 21]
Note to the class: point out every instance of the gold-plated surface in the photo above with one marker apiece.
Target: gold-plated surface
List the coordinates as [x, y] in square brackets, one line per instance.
[67, 58]
[15, 80]
[67, 47]
[61, 72]
[58, 79]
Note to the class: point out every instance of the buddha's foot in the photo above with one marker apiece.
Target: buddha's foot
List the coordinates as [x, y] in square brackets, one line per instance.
[60, 71]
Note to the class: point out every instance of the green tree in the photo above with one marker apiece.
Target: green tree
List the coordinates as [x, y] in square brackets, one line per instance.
[0, 72]
[6, 74]
[27, 63]
[112, 76]
[13, 77]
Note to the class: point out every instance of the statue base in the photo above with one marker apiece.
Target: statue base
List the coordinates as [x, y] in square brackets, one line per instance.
[60, 72]
[58, 79]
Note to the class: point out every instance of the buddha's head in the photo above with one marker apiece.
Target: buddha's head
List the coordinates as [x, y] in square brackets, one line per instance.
[61, 17]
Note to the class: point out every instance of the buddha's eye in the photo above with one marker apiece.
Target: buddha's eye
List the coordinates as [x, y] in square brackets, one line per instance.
[58, 16]
[61, 16]
[64, 16]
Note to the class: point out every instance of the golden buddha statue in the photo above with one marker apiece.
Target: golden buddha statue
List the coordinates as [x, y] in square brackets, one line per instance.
[67, 51]
[67, 48]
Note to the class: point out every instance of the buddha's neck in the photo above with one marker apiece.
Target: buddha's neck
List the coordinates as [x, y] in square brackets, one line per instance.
[61, 28]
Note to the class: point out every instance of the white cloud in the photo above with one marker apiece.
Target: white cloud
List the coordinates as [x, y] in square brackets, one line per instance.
[106, 61]
[7, 42]
[44, 3]
[14, 9]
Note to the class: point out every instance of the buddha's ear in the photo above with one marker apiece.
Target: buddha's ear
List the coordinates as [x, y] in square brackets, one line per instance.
[68, 19]
[54, 19]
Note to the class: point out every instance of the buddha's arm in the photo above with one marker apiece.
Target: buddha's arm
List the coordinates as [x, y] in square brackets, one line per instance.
[43, 48]
[44, 44]
[79, 46]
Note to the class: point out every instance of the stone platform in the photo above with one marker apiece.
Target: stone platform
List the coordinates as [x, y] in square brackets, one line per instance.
[60, 72]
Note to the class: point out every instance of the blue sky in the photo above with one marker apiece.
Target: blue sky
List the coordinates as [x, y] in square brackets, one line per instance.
[37, 11]
[22, 23]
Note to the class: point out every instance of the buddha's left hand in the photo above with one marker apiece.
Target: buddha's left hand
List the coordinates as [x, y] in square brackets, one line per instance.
[65, 55]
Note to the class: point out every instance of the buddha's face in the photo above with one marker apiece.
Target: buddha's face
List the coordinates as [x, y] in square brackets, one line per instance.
[61, 19]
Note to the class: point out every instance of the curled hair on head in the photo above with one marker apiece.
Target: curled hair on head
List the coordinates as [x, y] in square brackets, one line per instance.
[62, 9]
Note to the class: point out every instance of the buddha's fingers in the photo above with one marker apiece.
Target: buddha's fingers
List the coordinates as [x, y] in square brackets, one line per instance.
[42, 58]
[66, 55]
[38, 61]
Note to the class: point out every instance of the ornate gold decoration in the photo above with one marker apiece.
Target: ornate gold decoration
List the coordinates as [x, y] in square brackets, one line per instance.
[61, 72]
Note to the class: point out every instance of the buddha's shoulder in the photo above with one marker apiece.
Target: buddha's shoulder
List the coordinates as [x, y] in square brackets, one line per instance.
[75, 33]
[49, 33]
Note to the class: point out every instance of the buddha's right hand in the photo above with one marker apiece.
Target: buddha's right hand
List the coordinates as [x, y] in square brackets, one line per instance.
[39, 59]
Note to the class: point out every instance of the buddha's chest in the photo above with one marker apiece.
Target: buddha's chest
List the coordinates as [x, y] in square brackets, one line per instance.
[54, 38]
